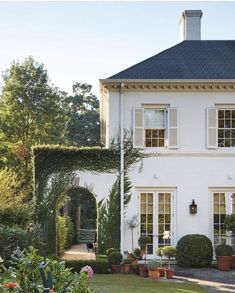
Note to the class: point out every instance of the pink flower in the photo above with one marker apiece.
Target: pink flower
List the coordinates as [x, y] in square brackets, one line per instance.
[10, 285]
[88, 270]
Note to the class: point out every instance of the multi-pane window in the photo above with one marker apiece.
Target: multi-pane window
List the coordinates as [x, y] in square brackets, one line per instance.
[223, 204]
[164, 219]
[154, 122]
[146, 218]
[226, 128]
[219, 217]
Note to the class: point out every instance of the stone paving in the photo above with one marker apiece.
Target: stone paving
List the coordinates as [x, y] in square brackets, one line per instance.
[212, 279]
[78, 252]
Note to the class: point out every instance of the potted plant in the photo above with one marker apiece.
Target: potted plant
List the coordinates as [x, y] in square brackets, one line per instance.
[143, 241]
[136, 255]
[127, 265]
[230, 227]
[169, 252]
[153, 267]
[115, 259]
[224, 257]
[161, 269]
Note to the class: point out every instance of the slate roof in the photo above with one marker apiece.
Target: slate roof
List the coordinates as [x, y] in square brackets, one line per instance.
[187, 60]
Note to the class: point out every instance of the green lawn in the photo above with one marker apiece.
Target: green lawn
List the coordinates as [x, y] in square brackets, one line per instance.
[132, 283]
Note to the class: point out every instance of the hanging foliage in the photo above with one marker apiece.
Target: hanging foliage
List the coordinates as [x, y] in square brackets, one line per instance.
[53, 167]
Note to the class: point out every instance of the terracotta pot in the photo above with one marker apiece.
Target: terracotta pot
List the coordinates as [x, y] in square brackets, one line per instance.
[154, 274]
[169, 273]
[162, 272]
[127, 268]
[116, 269]
[143, 271]
[224, 263]
[135, 262]
[135, 269]
[233, 261]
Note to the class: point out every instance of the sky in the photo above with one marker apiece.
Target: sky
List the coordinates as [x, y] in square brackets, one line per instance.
[88, 41]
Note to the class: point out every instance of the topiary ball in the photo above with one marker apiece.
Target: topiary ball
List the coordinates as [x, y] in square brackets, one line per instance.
[194, 250]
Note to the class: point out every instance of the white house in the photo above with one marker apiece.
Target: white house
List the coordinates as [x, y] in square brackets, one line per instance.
[180, 105]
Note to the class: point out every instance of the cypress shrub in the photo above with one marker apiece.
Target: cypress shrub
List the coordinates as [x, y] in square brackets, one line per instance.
[194, 250]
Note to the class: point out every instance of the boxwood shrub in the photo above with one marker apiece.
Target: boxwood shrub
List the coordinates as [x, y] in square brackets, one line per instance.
[99, 266]
[194, 250]
[13, 237]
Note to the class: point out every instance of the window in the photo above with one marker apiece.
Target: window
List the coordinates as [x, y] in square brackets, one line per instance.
[223, 204]
[154, 123]
[226, 127]
[156, 127]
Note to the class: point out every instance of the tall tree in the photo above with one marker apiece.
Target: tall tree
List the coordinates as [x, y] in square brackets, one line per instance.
[32, 110]
[83, 126]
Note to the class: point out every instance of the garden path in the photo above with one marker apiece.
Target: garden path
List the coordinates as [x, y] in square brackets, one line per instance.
[214, 280]
[78, 252]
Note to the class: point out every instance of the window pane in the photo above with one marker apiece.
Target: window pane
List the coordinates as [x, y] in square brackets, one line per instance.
[221, 123]
[154, 118]
[227, 123]
[227, 114]
[148, 133]
[221, 133]
[221, 113]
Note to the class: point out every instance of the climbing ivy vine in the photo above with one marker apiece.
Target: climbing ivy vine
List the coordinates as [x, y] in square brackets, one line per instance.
[53, 175]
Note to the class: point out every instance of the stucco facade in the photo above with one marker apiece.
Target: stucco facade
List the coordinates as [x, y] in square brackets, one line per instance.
[191, 171]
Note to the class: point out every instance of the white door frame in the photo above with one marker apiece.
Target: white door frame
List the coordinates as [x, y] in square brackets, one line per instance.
[155, 191]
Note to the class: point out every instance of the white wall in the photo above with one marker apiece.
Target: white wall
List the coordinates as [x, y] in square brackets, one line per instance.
[190, 170]
[191, 178]
[192, 116]
[100, 184]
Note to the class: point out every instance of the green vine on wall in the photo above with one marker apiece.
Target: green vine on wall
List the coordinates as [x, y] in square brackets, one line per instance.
[53, 175]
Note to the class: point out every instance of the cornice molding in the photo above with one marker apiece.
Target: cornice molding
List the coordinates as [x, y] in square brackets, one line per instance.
[171, 86]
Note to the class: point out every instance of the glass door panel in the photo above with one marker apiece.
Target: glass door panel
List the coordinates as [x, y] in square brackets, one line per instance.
[223, 204]
[146, 218]
[156, 219]
[164, 219]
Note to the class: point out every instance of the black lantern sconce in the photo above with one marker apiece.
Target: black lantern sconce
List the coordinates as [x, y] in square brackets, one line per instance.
[193, 208]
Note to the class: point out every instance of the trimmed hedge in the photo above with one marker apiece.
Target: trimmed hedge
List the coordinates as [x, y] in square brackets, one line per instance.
[99, 266]
[194, 250]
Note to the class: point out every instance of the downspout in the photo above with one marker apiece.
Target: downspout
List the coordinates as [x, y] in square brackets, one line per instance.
[122, 169]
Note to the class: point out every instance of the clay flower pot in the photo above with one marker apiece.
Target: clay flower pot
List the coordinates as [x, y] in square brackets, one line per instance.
[233, 261]
[154, 274]
[169, 273]
[116, 269]
[224, 263]
[143, 271]
[162, 272]
[127, 268]
[135, 269]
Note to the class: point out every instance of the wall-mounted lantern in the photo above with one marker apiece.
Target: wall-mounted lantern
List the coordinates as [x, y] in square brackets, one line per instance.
[193, 208]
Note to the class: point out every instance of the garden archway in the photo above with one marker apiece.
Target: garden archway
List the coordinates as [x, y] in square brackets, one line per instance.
[55, 170]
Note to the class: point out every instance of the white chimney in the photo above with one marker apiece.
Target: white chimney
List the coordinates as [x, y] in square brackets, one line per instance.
[190, 25]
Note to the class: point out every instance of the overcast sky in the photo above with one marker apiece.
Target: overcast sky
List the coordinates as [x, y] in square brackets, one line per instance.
[85, 41]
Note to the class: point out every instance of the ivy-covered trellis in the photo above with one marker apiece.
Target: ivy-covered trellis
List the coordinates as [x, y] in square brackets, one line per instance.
[53, 168]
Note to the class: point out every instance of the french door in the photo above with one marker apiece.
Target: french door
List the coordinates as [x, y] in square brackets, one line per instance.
[223, 204]
[156, 219]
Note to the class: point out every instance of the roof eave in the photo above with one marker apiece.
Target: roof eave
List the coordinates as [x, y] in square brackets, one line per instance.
[109, 80]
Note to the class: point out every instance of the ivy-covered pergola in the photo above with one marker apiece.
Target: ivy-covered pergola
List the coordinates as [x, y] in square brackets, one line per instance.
[53, 166]
[52, 175]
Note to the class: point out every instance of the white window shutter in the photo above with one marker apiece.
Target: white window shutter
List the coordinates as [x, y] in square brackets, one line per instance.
[173, 128]
[138, 127]
[212, 128]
